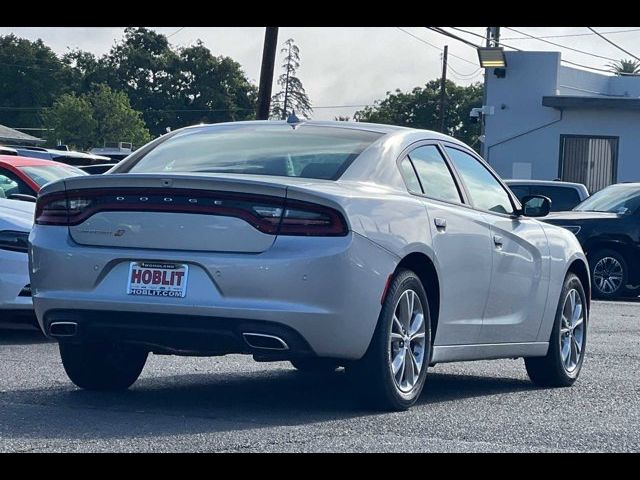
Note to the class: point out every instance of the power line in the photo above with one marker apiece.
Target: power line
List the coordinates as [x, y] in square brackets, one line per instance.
[455, 37]
[434, 46]
[614, 44]
[176, 32]
[561, 46]
[448, 34]
[575, 34]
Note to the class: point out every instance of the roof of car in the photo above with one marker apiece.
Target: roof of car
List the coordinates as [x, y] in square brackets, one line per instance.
[553, 183]
[19, 161]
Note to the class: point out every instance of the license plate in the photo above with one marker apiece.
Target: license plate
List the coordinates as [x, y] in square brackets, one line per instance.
[157, 279]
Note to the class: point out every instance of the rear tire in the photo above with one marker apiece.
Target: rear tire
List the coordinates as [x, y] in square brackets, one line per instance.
[392, 373]
[102, 367]
[315, 365]
[609, 273]
[561, 366]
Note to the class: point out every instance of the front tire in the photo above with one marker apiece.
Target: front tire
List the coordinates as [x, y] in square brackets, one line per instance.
[610, 273]
[392, 373]
[102, 367]
[563, 362]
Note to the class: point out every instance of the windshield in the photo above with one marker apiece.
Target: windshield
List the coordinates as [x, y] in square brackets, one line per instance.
[621, 198]
[307, 151]
[43, 174]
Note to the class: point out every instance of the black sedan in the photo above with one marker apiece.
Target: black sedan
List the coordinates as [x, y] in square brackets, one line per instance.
[607, 224]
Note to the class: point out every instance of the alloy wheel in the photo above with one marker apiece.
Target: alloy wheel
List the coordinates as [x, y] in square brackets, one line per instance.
[607, 275]
[572, 330]
[407, 341]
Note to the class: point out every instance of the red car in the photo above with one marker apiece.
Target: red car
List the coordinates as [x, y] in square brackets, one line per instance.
[25, 176]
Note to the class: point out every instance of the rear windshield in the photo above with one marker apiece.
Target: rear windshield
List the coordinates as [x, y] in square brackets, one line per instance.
[307, 151]
[43, 174]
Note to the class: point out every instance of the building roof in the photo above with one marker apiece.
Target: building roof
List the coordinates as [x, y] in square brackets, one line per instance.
[583, 101]
[14, 136]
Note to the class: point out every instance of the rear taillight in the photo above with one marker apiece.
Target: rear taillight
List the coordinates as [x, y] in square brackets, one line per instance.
[270, 215]
[303, 218]
[52, 209]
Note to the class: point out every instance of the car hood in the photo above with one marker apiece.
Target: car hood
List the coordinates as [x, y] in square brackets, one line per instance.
[16, 215]
[574, 215]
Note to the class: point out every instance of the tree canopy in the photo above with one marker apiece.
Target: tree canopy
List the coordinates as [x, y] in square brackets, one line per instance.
[420, 108]
[90, 119]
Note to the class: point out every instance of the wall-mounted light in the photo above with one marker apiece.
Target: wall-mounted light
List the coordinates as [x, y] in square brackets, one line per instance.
[492, 57]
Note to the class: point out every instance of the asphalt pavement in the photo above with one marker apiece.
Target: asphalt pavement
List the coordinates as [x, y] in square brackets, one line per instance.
[233, 404]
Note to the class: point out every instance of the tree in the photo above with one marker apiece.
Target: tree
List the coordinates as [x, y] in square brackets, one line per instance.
[71, 121]
[176, 87]
[115, 119]
[292, 96]
[420, 109]
[622, 67]
[31, 77]
[89, 120]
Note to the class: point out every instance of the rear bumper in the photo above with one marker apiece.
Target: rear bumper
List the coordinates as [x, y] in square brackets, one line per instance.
[326, 290]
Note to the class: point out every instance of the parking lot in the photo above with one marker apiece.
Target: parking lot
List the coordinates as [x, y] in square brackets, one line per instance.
[234, 404]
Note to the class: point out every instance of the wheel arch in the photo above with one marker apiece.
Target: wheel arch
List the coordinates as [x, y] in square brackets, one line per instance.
[426, 271]
[581, 269]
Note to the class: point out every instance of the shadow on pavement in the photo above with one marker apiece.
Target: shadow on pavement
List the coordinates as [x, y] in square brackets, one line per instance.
[205, 403]
[21, 335]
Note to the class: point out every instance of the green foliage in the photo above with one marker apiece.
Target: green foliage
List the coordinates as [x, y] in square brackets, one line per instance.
[91, 119]
[171, 87]
[31, 76]
[420, 109]
[292, 97]
[625, 66]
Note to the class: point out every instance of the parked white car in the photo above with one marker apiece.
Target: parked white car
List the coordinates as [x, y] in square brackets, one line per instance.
[381, 249]
[16, 219]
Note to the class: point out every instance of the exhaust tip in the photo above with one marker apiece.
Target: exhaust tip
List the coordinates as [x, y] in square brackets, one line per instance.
[63, 329]
[264, 342]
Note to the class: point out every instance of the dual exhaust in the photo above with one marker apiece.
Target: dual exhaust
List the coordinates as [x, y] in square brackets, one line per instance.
[259, 341]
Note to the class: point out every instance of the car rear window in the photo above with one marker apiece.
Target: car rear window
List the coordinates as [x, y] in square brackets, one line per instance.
[307, 151]
[43, 174]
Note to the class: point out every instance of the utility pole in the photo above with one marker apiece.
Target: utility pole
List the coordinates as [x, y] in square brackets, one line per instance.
[492, 40]
[266, 72]
[443, 83]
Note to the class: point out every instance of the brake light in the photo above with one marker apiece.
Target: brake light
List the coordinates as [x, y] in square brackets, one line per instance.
[271, 215]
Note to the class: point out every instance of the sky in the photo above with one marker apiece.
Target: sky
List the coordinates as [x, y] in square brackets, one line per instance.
[345, 68]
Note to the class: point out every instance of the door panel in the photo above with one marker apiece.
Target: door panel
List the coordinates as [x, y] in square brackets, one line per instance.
[462, 246]
[519, 280]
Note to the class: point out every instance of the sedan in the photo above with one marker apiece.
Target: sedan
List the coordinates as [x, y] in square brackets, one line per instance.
[21, 178]
[16, 219]
[379, 249]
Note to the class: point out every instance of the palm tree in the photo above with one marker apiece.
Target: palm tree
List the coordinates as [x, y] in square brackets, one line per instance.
[625, 67]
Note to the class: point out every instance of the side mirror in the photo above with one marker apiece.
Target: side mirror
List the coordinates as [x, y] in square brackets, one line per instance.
[23, 197]
[535, 206]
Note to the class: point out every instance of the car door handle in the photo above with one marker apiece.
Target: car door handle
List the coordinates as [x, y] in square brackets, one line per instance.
[497, 241]
[441, 224]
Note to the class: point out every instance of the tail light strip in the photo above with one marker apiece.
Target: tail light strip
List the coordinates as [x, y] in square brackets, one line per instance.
[270, 215]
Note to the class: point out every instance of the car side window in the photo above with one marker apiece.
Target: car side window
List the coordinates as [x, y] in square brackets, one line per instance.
[10, 184]
[520, 191]
[435, 177]
[485, 191]
[409, 175]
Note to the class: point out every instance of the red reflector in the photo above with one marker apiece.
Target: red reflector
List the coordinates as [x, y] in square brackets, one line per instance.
[386, 288]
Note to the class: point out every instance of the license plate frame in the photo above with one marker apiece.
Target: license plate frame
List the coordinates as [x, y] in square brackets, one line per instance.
[170, 282]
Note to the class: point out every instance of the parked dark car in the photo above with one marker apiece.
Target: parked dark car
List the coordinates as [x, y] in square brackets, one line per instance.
[97, 169]
[563, 195]
[68, 157]
[607, 224]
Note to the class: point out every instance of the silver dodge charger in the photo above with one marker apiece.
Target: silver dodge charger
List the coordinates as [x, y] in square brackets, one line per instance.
[380, 249]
